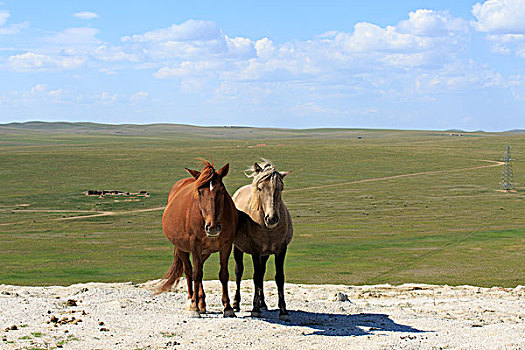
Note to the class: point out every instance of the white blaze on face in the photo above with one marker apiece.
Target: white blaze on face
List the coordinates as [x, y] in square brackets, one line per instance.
[211, 186]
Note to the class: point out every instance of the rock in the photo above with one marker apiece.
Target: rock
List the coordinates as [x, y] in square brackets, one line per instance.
[71, 302]
[339, 296]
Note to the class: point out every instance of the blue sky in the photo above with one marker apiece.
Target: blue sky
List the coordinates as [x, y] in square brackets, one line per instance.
[357, 64]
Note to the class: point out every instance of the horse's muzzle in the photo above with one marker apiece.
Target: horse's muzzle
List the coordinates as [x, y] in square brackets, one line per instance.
[271, 221]
[213, 231]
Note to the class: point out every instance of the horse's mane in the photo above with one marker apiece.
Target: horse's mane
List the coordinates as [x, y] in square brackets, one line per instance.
[268, 170]
[207, 174]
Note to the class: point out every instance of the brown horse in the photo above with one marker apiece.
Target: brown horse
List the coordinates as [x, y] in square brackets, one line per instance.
[268, 232]
[200, 218]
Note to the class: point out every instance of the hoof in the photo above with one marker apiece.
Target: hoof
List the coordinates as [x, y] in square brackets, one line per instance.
[255, 313]
[229, 313]
[236, 306]
[264, 308]
[194, 314]
[284, 317]
[202, 311]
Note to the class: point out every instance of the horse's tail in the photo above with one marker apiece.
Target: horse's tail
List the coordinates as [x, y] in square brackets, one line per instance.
[173, 275]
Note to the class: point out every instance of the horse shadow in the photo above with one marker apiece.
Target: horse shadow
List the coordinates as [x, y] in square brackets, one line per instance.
[328, 324]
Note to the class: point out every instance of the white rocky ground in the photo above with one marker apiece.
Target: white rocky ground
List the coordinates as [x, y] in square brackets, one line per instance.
[129, 316]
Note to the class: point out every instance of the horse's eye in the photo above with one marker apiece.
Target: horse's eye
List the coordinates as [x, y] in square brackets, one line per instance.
[259, 189]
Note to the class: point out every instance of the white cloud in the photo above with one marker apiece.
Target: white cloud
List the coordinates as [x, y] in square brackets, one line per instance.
[107, 71]
[189, 69]
[39, 89]
[264, 48]
[58, 93]
[240, 48]
[427, 40]
[82, 43]
[106, 98]
[77, 38]
[4, 15]
[188, 31]
[517, 86]
[431, 23]
[308, 108]
[370, 60]
[31, 61]
[13, 28]
[459, 76]
[113, 53]
[85, 15]
[369, 37]
[139, 97]
[10, 29]
[508, 43]
[504, 23]
[198, 49]
[419, 55]
[500, 16]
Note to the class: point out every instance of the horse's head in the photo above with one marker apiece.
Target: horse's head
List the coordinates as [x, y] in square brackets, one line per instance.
[211, 193]
[267, 186]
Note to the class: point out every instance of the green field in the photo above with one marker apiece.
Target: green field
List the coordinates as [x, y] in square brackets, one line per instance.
[444, 222]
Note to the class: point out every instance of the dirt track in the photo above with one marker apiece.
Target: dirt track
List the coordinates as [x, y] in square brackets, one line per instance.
[434, 172]
[128, 316]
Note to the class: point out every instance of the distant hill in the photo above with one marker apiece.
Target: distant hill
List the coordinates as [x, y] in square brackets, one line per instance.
[455, 130]
[180, 130]
[212, 132]
[190, 131]
[519, 131]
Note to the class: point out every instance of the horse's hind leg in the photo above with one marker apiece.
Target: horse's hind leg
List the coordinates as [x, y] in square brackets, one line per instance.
[185, 257]
[279, 279]
[239, 269]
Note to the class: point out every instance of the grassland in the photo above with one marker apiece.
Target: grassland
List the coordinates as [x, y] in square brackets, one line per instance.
[445, 223]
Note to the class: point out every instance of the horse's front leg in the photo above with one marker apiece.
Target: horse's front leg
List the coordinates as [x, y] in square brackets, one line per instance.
[264, 260]
[257, 283]
[202, 295]
[279, 280]
[239, 270]
[197, 282]
[224, 277]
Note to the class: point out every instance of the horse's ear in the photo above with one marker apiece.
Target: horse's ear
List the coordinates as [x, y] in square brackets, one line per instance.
[256, 168]
[224, 170]
[193, 173]
[284, 173]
